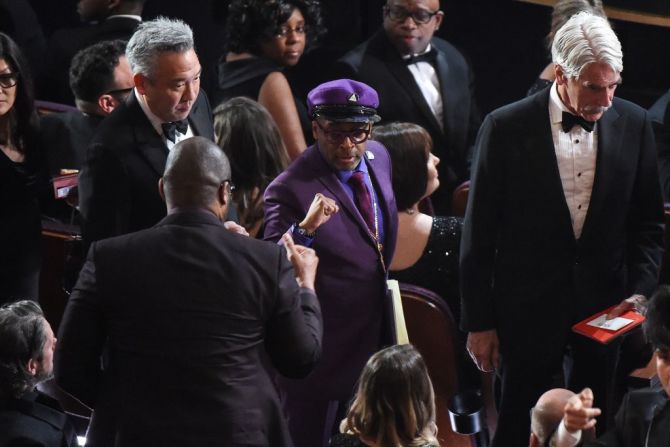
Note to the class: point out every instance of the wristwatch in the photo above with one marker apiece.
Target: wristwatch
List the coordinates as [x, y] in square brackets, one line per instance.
[303, 232]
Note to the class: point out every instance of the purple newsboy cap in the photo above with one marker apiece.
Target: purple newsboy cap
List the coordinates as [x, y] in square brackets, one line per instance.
[344, 100]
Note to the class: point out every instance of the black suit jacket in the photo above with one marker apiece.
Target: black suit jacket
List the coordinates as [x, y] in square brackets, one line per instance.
[377, 63]
[118, 185]
[53, 82]
[35, 420]
[188, 310]
[642, 421]
[65, 138]
[522, 270]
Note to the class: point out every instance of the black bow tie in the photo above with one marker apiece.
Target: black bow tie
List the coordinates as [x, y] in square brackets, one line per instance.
[170, 128]
[429, 56]
[569, 121]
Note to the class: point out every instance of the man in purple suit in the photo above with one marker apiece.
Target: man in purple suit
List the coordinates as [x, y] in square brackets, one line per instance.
[337, 198]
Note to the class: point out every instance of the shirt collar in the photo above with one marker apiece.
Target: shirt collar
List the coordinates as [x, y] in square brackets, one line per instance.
[556, 105]
[155, 121]
[125, 16]
[426, 51]
[344, 176]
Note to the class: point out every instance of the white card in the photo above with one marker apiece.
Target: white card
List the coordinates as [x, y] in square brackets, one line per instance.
[611, 325]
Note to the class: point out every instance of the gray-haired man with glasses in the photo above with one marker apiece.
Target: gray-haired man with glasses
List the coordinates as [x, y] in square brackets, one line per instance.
[424, 80]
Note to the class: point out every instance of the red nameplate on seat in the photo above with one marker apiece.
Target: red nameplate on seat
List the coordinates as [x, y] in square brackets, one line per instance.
[63, 184]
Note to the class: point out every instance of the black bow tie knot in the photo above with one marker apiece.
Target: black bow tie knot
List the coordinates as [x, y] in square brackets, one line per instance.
[169, 129]
[429, 56]
[569, 121]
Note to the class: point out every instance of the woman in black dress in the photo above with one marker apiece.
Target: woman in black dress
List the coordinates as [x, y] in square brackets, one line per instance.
[427, 248]
[22, 178]
[263, 37]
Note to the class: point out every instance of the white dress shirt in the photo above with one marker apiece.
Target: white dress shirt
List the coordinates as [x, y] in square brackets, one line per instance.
[576, 156]
[426, 79]
[156, 123]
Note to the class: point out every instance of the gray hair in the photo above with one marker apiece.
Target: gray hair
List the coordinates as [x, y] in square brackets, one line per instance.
[583, 40]
[154, 37]
[23, 335]
[194, 170]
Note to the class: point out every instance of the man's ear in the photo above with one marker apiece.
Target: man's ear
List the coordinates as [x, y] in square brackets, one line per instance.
[222, 195]
[161, 189]
[438, 20]
[315, 129]
[561, 79]
[140, 83]
[107, 103]
[33, 366]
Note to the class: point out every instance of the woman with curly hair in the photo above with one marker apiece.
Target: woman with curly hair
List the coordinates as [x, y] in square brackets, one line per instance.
[23, 178]
[394, 404]
[263, 37]
[247, 134]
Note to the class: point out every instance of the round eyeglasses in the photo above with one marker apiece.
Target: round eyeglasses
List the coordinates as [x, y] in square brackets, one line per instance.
[420, 16]
[356, 136]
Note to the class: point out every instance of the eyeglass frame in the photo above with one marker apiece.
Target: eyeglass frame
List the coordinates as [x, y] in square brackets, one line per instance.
[283, 31]
[120, 91]
[231, 185]
[14, 74]
[431, 14]
[343, 135]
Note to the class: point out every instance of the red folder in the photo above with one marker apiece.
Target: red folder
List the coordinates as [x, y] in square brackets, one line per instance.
[603, 335]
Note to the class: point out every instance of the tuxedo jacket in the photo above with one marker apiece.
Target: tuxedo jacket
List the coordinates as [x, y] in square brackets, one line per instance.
[642, 421]
[118, 184]
[350, 280]
[188, 311]
[54, 83]
[377, 63]
[523, 272]
[35, 420]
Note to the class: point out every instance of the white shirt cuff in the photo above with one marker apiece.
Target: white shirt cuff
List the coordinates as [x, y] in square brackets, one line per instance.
[563, 438]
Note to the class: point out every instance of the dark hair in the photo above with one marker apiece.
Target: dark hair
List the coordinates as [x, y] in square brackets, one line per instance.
[92, 69]
[564, 9]
[408, 145]
[246, 132]
[250, 21]
[395, 401]
[23, 336]
[657, 325]
[23, 118]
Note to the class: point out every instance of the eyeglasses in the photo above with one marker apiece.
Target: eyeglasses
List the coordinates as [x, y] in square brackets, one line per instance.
[356, 136]
[231, 185]
[120, 91]
[283, 31]
[9, 80]
[420, 16]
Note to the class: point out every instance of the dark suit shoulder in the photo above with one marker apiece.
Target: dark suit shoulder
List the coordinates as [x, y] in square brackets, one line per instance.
[522, 111]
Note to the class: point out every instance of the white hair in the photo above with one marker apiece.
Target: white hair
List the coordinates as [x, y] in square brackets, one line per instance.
[154, 37]
[584, 39]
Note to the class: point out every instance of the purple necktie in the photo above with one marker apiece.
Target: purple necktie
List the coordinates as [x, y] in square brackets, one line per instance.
[363, 201]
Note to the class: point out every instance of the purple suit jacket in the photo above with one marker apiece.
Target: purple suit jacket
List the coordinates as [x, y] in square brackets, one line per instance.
[351, 283]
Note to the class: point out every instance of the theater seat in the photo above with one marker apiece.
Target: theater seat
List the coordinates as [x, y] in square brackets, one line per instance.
[433, 331]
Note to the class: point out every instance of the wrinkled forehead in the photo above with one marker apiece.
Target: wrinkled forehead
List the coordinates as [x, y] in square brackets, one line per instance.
[344, 126]
[412, 5]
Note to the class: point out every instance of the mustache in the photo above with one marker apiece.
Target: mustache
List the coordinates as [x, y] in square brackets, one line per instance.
[597, 109]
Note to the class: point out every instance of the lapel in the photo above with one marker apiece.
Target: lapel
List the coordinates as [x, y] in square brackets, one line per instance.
[447, 84]
[148, 143]
[397, 67]
[541, 149]
[332, 183]
[610, 139]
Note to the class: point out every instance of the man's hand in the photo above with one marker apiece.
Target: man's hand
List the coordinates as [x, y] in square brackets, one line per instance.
[483, 348]
[635, 302]
[578, 412]
[235, 228]
[319, 212]
[304, 262]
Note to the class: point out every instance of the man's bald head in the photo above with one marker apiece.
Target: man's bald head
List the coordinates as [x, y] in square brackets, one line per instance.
[548, 413]
[194, 173]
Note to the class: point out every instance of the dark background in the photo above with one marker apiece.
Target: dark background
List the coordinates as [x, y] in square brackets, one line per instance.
[502, 38]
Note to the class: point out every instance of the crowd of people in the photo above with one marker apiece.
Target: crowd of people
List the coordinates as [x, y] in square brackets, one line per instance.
[238, 244]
